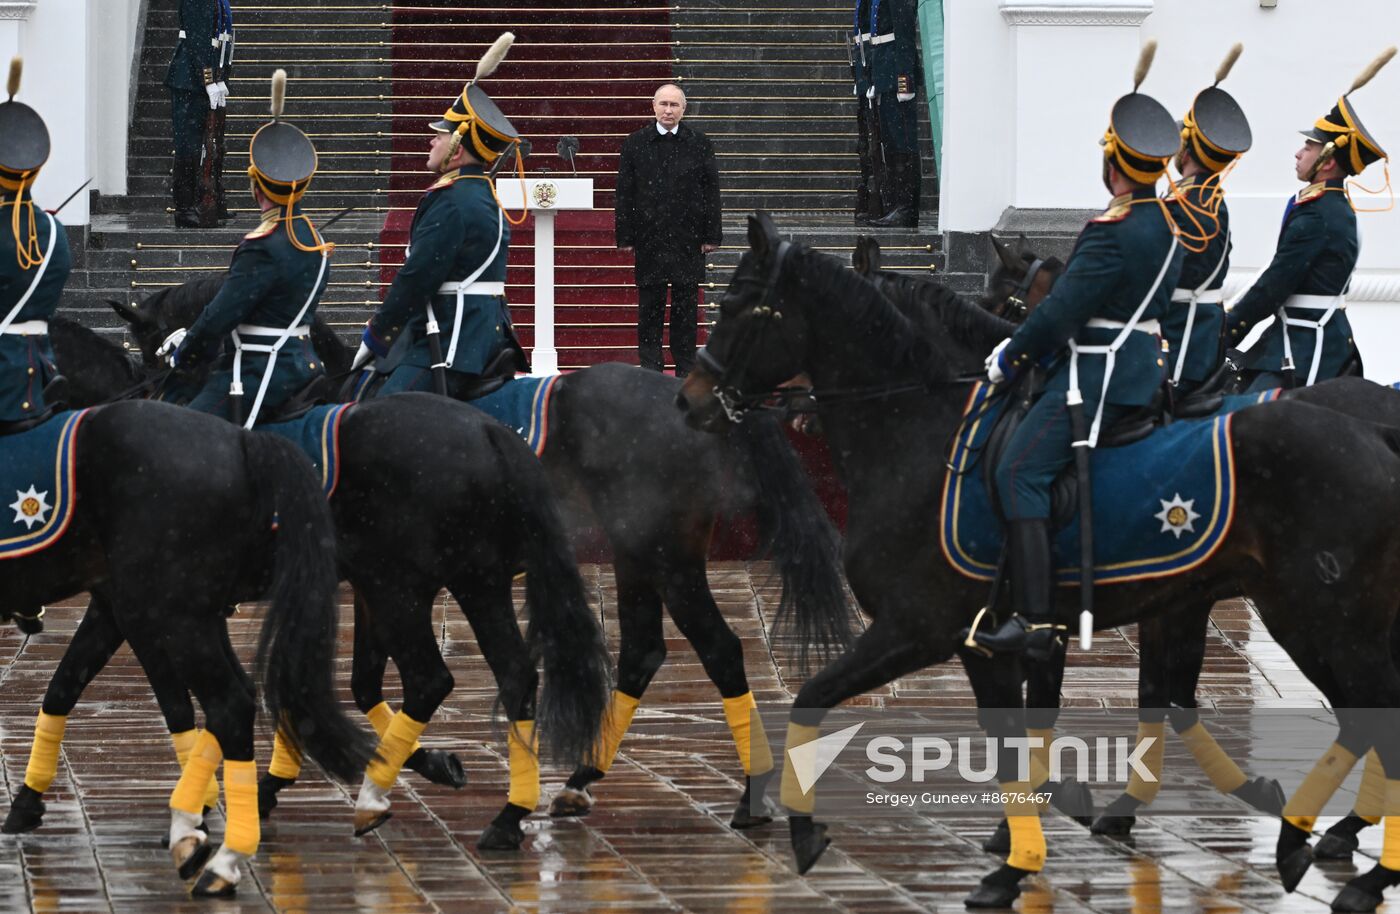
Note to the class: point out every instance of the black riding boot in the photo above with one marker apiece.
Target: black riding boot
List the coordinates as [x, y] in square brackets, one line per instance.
[1032, 628]
[901, 194]
[184, 188]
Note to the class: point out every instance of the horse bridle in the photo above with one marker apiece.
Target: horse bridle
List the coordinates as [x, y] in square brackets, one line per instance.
[1017, 300]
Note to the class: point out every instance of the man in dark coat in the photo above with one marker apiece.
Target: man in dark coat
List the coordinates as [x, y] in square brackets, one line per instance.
[668, 212]
[198, 85]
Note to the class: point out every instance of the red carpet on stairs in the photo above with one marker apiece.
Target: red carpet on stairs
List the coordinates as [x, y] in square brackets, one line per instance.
[585, 69]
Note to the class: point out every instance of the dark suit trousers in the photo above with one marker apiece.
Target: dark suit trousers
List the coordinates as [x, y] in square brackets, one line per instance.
[651, 314]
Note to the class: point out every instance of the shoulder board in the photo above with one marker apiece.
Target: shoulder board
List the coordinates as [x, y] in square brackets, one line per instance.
[267, 228]
[446, 180]
[1310, 193]
[1116, 213]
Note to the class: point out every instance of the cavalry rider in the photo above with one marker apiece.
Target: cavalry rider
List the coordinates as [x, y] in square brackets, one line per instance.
[1106, 307]
[259, 325]
[1214, 134]
[34, 264]
[1305, 285]
[444, 324]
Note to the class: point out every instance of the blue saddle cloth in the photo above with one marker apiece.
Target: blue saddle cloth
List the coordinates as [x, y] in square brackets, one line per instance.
[522, 404]
[1162, 505]
[317, 433]
[38, 466]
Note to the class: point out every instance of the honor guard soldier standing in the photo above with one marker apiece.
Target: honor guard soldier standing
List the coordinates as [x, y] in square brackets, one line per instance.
[1105, 307]
[259, 325]
[1304, 287]
[1214, 134]
[868, 205]
[34, 265]
[444, 324]
[895, 74]
[198, 85]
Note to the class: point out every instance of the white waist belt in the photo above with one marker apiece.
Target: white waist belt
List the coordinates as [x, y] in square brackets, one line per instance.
[257, 330]
[882, 39]
[863, 37]
[1150, 326]
[27, 328]
[1328, 305]
[1316, 302]
[1213, 297]
[182, 33]
[475, 288]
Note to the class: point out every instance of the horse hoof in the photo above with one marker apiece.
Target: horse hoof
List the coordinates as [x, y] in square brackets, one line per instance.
[501, 836]
[999, 842]
[212, 885]
[367, 820]
[26, 812]
[438, 767]
[1264, 794]
[269, 785]
[190, 854]
[1335, 847]
[1075, 800]
[809, 841]
[1367, 891]
[998, 889]
[202, 826]
[1294, 867]
[1118, 827]
[571, 803]
[754, 808]
[744, 817]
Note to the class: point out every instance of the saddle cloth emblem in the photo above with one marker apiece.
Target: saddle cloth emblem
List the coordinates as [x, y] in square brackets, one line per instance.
[1161, 506]
[39, 467]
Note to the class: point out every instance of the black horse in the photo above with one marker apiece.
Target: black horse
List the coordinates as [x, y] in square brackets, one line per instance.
[178, 515]
[431, 494]
[620, 457]
[789, 310]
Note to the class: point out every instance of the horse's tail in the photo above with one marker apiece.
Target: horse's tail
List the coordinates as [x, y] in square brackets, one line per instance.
[804, 543]
[562, 631]
[296, 651]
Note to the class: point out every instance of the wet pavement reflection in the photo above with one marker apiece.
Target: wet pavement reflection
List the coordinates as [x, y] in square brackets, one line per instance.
[658, 838]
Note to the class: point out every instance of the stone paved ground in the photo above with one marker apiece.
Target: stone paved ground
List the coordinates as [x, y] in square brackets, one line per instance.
[658, 839]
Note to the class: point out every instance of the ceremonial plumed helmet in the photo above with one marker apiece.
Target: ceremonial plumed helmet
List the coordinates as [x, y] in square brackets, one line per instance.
[1351, 144]
[474, 117]
[282, 159]
[1215, 130]
[1142, 135]
[24, 139]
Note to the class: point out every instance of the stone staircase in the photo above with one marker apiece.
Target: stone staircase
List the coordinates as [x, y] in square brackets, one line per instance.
[769, 84]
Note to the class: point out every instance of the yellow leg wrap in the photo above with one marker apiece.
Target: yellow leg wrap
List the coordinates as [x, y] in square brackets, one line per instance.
[1027, 840]
[184, 745]
[749, 739]
[1040, 755]
[394, 747]
[1317, 788]
[791, 793]
[524, 765]
[379, 717]
[242, 833]
[1219, 767]
[1139, 788]
[615, 724]
[286, 760]
[1390, 850]
[43, 753]
[1370, 799]
[204, 761]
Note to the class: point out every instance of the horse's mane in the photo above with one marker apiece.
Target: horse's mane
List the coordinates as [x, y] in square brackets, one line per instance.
[96, 367]
[885, 328]
[935, 308]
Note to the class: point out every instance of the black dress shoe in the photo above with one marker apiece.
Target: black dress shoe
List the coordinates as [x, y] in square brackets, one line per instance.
[899, 217]
[187, 218]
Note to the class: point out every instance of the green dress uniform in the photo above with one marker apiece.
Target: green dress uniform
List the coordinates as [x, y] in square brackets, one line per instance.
[202, 57]
[1105, 309]
[270, 283]
[895, 75]
[34, 264]
[1307, 279]
[457, 229]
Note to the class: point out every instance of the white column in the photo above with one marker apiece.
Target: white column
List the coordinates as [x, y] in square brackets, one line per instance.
[12, 13]
[544, 360]
[1072, 59]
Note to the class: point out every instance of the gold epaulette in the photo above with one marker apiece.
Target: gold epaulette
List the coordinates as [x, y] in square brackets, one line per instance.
[1311, 192]
[269, 224]
[1117, 210]
[449, 178]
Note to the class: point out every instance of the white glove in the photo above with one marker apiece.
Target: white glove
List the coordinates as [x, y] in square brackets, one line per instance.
[363, 358]
[172, 343]
[994, 372]
[223, 93]
[213, 91]
[870, 92]
[904, 97]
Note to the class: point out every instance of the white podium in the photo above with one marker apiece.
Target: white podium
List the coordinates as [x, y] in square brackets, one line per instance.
[544, 196]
